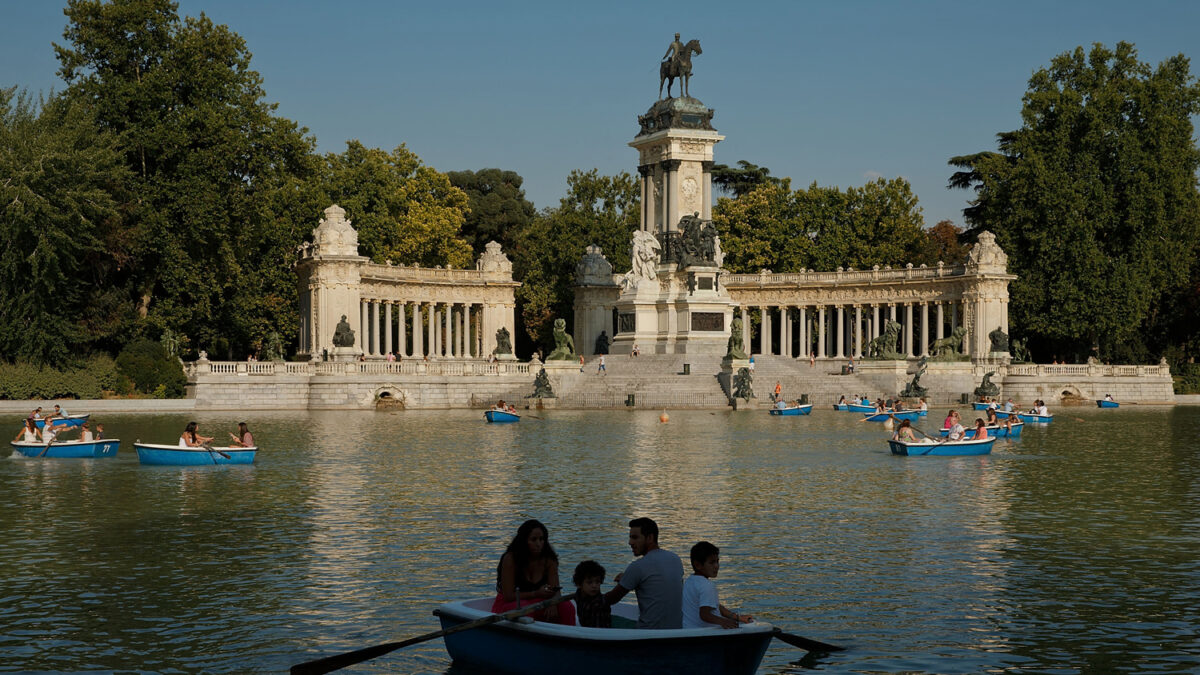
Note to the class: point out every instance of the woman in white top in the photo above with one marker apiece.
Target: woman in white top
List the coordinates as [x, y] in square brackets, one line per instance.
[191, 439]
[29, 431]
[86, 434]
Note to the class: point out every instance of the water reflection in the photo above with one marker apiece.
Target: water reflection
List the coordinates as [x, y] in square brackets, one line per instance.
[1074, 549]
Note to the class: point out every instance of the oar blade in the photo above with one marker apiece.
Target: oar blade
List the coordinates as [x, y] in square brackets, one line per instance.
[806, 643]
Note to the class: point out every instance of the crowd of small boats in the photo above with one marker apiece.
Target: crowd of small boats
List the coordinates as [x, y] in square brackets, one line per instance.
[92, 445]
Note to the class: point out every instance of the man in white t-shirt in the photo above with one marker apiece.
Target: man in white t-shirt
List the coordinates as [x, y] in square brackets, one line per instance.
[701, 605]
[656, 578]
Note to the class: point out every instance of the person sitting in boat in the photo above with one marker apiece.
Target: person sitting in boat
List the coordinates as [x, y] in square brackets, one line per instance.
[842, 400]
[243, 439]
[955, 432]
[36, 414]
[1041, 408]
[992, 404]
[99, 432]
[48, 432]
[924, 407]
[59, 412]
[879, 407]
[191, 438]
[897, 405]
[780, 404]
[590, 609]
[85, 433]
[701, 603]
[655, 577]
[904, 432]
[28, 433]
[1108, 397]
[1009, 406]
[981, 433]
[528, 573]
[992, 420]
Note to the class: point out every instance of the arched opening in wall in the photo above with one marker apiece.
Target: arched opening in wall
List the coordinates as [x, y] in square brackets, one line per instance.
[1070, 395]
[389, 398]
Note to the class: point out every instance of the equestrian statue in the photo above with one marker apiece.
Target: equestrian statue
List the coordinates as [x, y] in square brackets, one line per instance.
[677, 65]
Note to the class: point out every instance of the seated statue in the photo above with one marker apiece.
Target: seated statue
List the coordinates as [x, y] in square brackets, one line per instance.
[602, 343]
[343, 334]
[999, 340]
[541, 385]
[735, 350]
[564, 345]
[503, 341]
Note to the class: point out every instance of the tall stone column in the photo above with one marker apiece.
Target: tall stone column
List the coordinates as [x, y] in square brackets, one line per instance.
[401, 329]
[762, 329]
[858, 350]
[875, 321]
[908, 329]
[841, 332]
[924, 329]
[706, 195]
[462, 332]
[804, 345]
[361, 343]
[447, 342]
[940, 322]
[892, 310]
[821, 332]
[745, 330]
[418, 344]
[671, 180]
[431, 331]
[387, 328]
[785, 329]
[647, 173]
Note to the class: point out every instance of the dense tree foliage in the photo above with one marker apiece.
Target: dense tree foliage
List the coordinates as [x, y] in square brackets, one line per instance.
[600, 210]
[498, 208]
[784, 230]
[59, 214]
[1095, 200]
[742, 179]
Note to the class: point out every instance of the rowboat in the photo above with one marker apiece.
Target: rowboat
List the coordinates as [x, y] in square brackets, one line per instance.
[64, 422]
[1104, 403]
[520, 648]
[860, 408]
[73, 449]
[998, 430]
[501, 416]
[910, 415]
[943, 448]
[983, 406]
[841, 406]
[1003, 414]
[173, 455]
[793, 410]
[1032, 417]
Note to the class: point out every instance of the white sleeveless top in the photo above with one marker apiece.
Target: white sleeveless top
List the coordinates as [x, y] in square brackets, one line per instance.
[183, 442]
[30, 436]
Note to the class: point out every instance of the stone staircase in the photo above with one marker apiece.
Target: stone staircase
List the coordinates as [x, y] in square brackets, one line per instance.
[654, 380]
[823, 383]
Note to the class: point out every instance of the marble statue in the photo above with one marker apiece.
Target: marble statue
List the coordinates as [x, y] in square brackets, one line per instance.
[564, 345]
[343, 334]
[1019, 353]
[644, 254]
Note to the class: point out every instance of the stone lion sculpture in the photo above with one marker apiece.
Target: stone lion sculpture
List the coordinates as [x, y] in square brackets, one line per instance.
[884, 346]
[645, 254]
[564, 345]
[947, 348]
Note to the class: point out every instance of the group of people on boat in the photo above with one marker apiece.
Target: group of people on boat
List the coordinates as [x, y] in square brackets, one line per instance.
[54, 426]
[501, 406]
[191, 438]
[528, 573]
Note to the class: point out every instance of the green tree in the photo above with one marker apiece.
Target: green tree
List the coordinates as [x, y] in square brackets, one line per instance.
[743, 179]
[600, 210]
[404, 211]
[1094, 198]
[498, 208]
[942, 244]
[879, 223]
[60, 174]
[765, 228]
[200, 252]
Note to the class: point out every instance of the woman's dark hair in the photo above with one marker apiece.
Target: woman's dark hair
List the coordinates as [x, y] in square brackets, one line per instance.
[519, 547]
[905, 423]
[243, 429]
[190, 430]
[588, 569]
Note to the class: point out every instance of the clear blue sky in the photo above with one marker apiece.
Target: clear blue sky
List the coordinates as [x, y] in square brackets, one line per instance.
[836, 93]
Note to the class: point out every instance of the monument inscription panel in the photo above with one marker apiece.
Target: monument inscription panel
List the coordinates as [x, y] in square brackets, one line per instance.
[710, 321]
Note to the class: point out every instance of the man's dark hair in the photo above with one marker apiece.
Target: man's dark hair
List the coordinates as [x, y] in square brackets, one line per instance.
[587, 570]
[647, 526]
[702, 551]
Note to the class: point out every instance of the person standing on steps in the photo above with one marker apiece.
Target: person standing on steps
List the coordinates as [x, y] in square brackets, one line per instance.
[600, 368]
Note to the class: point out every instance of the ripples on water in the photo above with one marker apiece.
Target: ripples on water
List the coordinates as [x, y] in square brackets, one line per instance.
[1074, 549]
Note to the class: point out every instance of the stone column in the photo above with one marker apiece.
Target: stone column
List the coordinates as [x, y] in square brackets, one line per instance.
[785, 331]
[447, 334]
[401, 329]
[858, 346]
[841, 332]
[892, 310]
[387, 328]
[940, 322]
[672, 193]
[924, 329]
[908, 331]
[361, 342]
[745, 330]
[803, 333]
[647, 173]
[875, 321]
[706, 194]
[462, 332]
[431, 328]
[821, 333]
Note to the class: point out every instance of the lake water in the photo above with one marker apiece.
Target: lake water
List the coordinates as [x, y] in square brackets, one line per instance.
[1075, 549]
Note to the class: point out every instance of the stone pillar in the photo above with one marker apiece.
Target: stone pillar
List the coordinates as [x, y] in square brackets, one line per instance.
[804, 348]
[908, 331]
[361, 342]
[762, 329]
[940, 322]
[448, 334]
[401, 329]
[431, 331]
[706, 194]
[875, 321]
[387, 328]
[924, 329]
[462, 332]
[841, 332]
[647, 173]
[858, 345]
[785, 331]
[745, 330]
[892, 311]
[821, 333]
[672, 193]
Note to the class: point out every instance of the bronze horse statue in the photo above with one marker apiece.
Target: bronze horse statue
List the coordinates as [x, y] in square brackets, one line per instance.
[679, 67]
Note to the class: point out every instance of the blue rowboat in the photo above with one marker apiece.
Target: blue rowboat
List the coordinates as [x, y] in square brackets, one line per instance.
[841, 406]
[501, 416]
[793, 410]
[1102, 403]
[1031, 417]
[173, 455]
[73, 449]
[1003, 415]
[923, 413]
[533, 648]
[997, 430]
[860, 408]
[981, 406]
[64, 422]
[944, 448]
[910, 415]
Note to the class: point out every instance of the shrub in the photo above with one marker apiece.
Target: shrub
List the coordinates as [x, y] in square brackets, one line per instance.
[24, 381]
[148, 365]
[1187, 378]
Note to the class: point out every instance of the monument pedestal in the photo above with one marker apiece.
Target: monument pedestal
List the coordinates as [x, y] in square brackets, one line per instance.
[679, 312]
[344, 354]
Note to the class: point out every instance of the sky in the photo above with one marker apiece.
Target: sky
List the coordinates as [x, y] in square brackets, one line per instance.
[836, 93]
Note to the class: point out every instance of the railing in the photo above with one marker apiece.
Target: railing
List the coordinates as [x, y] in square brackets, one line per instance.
[407, 367]
[1087, 370]
[767, 278]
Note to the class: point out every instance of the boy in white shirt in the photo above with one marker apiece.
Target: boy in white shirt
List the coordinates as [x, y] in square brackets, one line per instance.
[701, 606]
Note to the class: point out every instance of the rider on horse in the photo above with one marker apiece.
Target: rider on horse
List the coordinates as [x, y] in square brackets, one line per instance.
[674, 52]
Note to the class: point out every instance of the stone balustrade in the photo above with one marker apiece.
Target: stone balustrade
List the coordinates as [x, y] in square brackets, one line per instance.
[411, 367]
[768, 278]
[1085, 369]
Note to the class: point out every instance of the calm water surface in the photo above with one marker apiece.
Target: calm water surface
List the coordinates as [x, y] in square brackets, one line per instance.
[1072, 550]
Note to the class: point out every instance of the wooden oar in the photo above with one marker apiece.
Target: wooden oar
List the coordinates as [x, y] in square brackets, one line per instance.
[211, 450]
[339, 661]
[806, 643]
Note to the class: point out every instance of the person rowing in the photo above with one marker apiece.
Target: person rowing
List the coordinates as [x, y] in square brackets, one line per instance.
[904, 433]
